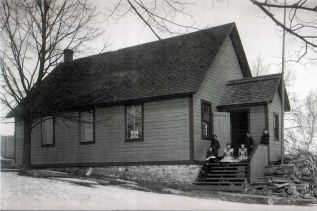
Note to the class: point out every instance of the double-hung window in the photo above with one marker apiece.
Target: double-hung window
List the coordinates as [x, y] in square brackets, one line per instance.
[87, 127]
[134, 122]
[47, 131]
[276, 127]
[206, 120]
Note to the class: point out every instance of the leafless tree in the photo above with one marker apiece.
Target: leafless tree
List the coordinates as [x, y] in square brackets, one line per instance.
[301, 137]
[301, 22]
[34, 34]
[157, 15]
[259, 67]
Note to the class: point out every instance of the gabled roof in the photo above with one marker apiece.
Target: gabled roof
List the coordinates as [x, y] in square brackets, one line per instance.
[253, 90]
[169, 67]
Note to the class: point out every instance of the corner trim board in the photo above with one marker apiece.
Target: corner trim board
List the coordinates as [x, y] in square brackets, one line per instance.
[266, 123]
[191, 129]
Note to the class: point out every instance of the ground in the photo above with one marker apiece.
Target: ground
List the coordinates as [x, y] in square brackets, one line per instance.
[26, 192]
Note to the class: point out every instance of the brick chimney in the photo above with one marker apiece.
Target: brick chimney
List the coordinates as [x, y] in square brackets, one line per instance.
[68, 55]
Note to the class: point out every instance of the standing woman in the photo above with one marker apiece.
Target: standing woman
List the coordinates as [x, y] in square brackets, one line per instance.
[265, 137]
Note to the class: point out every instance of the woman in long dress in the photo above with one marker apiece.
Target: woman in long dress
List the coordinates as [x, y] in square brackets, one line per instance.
[243, 153]
[228, 154]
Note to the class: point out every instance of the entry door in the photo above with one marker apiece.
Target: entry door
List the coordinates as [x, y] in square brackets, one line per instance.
[239, 127]
[222, 128]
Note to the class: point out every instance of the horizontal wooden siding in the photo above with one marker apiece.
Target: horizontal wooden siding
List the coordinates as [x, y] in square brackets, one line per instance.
[224, 68]
[275, 145]
[166, 137]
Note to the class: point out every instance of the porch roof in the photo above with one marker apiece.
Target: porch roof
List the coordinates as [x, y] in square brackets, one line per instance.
[253, 90]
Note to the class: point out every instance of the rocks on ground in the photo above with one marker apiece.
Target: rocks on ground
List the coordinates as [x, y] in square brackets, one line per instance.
[296, 179]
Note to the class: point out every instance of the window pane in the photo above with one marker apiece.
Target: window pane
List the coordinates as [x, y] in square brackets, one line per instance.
[276, 126]
[134, 122]
[206, 112]
[87, 126]
[205, 129]
[47, 131]
[206, 120]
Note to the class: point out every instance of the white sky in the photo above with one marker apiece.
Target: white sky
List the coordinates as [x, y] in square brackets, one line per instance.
[258, 34]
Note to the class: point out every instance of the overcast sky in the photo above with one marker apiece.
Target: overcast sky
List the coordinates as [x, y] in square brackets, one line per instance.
[258, 34]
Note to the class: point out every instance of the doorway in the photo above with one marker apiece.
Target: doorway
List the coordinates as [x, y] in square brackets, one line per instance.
[239, 127]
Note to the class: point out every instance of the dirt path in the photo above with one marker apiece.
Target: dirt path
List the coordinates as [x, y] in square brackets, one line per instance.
[22, 192]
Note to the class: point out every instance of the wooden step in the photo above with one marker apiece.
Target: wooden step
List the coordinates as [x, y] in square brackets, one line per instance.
[227, 164]
[218, 183]
[226, 170]
[225, 179]
[231, 188]
[225, 175]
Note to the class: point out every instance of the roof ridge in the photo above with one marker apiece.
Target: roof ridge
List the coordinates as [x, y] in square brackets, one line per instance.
[253, 79]
[232, 24]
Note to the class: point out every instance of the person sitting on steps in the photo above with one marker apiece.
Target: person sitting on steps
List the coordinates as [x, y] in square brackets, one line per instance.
[210, 155]
[243, 153]
[228, 154]
[214, 144]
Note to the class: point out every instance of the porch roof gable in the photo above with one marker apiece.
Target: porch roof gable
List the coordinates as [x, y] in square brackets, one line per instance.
[253, 90]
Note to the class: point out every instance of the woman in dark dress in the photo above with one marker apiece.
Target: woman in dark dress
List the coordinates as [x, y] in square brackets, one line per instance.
[265, 137]
[249, 142]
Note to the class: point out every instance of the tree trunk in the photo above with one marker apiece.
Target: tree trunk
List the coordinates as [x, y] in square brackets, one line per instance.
[26, 157]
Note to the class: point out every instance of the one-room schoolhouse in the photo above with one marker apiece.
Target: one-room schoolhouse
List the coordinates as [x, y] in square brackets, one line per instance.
[157, 103]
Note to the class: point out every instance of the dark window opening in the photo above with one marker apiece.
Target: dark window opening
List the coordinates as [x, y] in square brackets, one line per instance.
[206, 120]
[276, 127]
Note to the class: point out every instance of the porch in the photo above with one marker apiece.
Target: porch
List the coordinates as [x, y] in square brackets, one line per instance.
[234, 176]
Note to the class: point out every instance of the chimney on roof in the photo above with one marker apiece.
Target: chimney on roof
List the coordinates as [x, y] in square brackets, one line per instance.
[68, 55]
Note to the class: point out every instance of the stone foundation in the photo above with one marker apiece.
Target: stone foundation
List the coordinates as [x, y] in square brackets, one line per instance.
[165, 174]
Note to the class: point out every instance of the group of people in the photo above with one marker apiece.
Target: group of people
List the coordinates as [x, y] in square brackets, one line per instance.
[228, 155]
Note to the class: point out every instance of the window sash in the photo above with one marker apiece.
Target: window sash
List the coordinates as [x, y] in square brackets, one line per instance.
[87, 126]
[206, 120]
[276, 126]
[134, 122]
[47, 131]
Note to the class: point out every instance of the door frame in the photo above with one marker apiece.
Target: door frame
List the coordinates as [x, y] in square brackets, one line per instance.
[241, 109]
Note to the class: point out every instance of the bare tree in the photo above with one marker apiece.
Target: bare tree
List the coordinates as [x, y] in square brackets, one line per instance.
[301, 22]
[301, 137]
[34, 34]
[159, 16]
[259, 67]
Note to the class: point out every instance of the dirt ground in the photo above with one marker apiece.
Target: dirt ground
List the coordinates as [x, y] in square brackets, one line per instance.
[25, 192]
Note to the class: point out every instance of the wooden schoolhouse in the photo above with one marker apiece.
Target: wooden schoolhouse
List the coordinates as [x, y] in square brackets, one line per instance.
[157, 103]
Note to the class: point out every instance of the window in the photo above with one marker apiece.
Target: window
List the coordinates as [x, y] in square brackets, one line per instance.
[47, 131]
[87, 127]
[206, 121]
[276, 126]
[134, 122]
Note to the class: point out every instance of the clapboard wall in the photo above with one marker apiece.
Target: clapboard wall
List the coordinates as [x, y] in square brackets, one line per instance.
[257, 122]
[166, 137]
[224, 68]
[18, 138]
[7, 147]
[275, 144]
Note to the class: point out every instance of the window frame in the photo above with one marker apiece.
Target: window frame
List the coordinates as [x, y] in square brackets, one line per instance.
[276, 133]
[45, 119]
[94, 126]
[126, 123]
[210, 123]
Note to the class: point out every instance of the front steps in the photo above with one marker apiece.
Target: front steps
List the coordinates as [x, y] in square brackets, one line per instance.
[223, 176]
